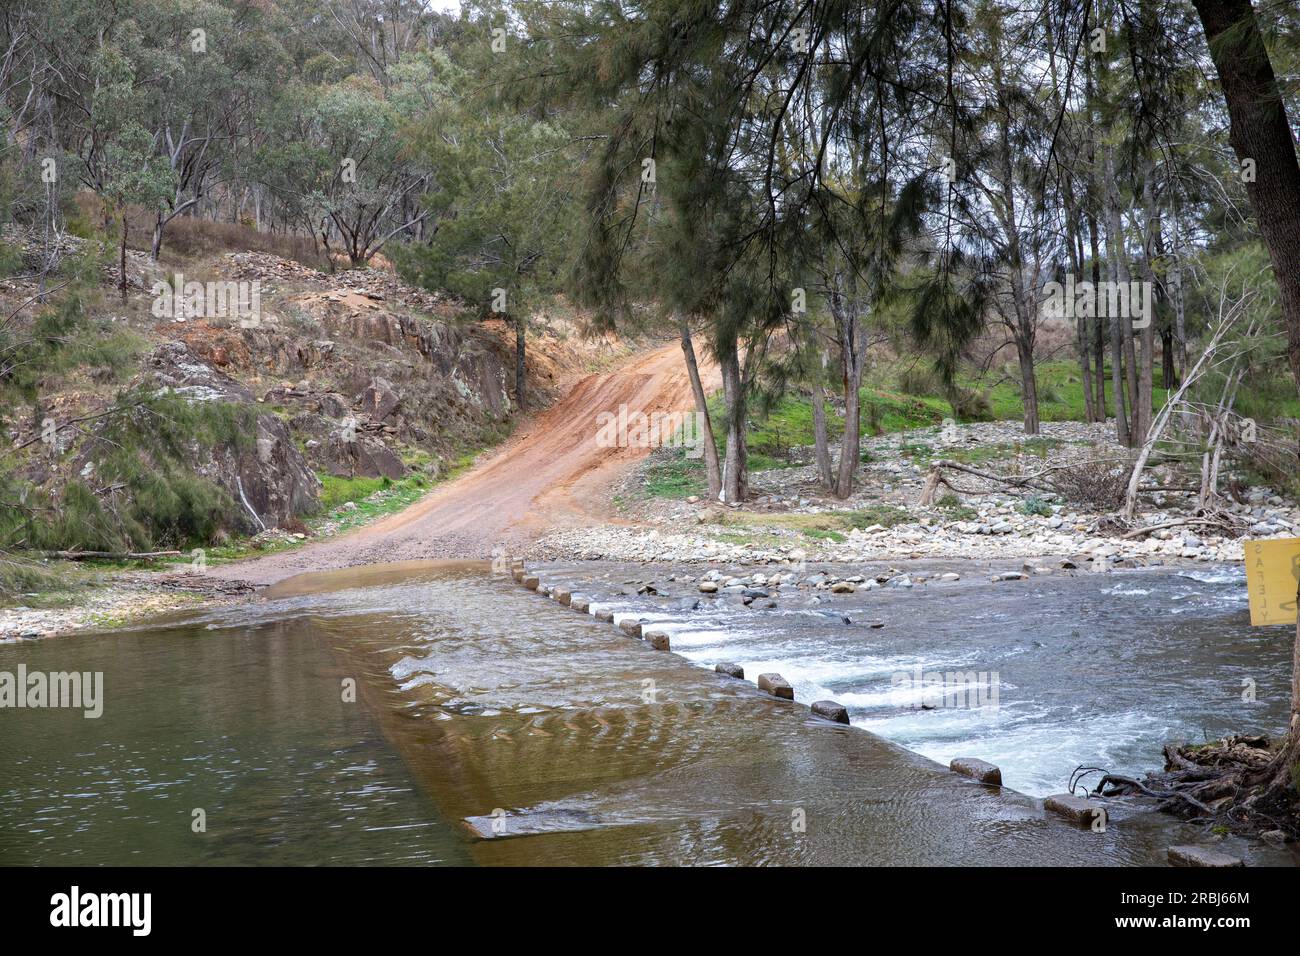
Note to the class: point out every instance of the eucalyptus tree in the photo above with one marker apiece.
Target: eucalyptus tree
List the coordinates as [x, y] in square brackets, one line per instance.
[337, 158]
[503, 210]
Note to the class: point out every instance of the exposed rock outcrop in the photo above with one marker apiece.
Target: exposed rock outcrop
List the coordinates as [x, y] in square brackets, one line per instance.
[269, 479]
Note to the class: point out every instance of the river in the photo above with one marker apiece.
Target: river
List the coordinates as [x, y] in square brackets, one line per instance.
[490, 725]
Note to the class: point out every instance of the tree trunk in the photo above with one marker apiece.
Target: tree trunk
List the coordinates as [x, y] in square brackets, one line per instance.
[735, 478]
[1176, 294]
[155, 244]
[1074, 243]
[711, 467]
[1124, 323]
[1147, 336]
[1028, 384]
[1091, 205]
[520, 326]
[821, 444]
[1085, 369]
[121, 258]
[1259, 131]
[851, 444]
[1168, 371]
[1095, 322]
[1118, 273]
[1122, 434]
[853, 359]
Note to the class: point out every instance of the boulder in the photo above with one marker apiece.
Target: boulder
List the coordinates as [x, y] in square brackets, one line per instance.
[379, 399]
[363, 457]
[731, 670]
[173, 366]
[333, 405]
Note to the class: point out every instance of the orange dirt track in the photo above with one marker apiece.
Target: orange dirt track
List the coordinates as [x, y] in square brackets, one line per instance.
[551, 474]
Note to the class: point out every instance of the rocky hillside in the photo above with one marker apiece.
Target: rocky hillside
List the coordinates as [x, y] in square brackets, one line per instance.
[352, 375]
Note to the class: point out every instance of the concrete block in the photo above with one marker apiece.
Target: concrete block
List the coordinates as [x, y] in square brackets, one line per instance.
[831, 711]
[1080, 812]
[1200, 856]
[776, 685]
[979, 770]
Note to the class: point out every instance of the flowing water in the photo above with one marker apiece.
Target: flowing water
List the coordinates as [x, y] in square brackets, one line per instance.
[1068, 670]
[491, 726]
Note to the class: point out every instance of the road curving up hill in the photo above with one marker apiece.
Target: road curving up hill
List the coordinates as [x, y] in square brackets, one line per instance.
[551, 474]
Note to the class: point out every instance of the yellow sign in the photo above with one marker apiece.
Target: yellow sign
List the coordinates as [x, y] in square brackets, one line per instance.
[1272, 577]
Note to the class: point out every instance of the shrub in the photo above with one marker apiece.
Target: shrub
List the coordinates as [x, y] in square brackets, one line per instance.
[970, 405]
[1035, 505]
[1099, 485]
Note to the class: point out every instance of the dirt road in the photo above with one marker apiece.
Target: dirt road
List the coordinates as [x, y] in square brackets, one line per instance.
[552, 473]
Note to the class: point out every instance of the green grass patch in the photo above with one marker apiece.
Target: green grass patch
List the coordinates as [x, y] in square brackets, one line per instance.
[679, 477]
[1060, 393]
[337, 491]
[956, 511]
[829, 524]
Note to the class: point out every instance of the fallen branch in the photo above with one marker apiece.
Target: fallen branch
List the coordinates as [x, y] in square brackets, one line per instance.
[1118, 781]
[937, 478]
[1037, 480]
[1138, 532]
